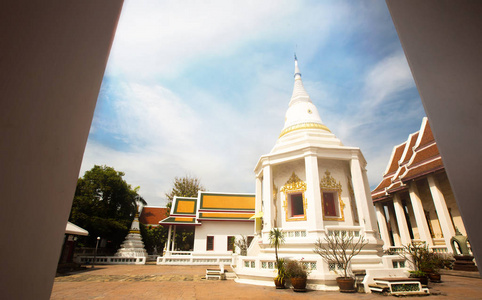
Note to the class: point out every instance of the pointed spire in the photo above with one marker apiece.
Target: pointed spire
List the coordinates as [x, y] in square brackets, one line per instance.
[299, 92]
[297, 69]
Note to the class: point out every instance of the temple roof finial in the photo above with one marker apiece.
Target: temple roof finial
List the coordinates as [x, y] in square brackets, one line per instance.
[297, 70]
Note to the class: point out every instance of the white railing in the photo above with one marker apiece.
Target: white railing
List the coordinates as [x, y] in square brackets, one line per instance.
[192, 259]
[111, 260]
[252, 262]
[294, 233]
[339, 231]
[395, 250]
[180, 252]
[439, 249]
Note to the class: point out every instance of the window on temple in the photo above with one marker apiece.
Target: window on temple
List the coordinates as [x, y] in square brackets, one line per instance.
[294, 201]
[230, 243]
[210, 243]
[330, 203]
[296, 205]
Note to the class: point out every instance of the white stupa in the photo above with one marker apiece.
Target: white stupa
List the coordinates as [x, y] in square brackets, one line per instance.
[310, 185]
[133, 245]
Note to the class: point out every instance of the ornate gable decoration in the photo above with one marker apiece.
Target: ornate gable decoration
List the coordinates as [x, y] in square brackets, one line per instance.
[329, 183]
[294, 183]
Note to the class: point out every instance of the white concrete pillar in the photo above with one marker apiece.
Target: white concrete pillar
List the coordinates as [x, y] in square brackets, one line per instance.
[267, 198]
[313, 193]
[382, 223]
[258, 201]
[393, 224]
[442, 211]
[419, 213]
[364, 203]
[168, 248]
[174, 239]
[401, 220]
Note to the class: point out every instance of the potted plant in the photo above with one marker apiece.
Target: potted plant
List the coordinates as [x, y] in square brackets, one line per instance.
[417, 254]
[296, 272]
[339, 248]
[433, 264]
[276, 239]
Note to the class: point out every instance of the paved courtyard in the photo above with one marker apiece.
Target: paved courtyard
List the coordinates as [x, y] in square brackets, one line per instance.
[186, 282]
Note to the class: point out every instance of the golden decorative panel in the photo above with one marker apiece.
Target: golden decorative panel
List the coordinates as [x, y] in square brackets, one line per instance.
[186, 207]
[329, 184]
[292, 186]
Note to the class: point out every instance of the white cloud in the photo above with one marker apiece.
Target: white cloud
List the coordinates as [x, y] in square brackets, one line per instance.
[167, 138]
[216, 139]
[388, 77]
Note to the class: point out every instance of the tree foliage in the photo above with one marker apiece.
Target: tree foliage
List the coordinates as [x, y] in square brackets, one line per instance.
[154, 238]
[105, 205]
[186, 186]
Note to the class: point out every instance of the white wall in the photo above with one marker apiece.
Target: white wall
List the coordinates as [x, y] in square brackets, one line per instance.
[220, 230]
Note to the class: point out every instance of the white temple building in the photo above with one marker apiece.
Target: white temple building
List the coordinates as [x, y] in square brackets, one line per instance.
[309, 185]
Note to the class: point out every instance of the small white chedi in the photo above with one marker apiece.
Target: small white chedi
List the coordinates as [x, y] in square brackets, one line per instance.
[309, 185]
[133, 245]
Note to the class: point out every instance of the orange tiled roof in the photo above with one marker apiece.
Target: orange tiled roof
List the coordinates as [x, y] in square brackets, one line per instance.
[427, 136]
[424, 155]
[409, 149]
[416, 163]
[152, 215]
[381, 187]
[395, 158]
[423, 169]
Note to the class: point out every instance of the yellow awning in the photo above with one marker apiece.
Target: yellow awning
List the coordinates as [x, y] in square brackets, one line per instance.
[257, 215]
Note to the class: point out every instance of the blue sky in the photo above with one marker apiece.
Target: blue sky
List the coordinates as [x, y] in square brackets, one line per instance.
[200, 88]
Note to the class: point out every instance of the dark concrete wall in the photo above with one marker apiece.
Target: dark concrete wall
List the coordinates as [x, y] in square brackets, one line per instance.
[52, 60]
[442, 41]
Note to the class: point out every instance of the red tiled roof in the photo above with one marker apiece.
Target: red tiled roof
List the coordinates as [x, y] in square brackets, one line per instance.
[427, 136]
[424, 155]
[423, 169]
[395, 158]
[423, 160]
[152, 215]
[385, 183]
[409, 149]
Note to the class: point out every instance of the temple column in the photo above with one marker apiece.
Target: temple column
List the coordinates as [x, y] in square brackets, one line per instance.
[168, 248]
[442, 211]
[393, 224]
[401, 220]
[364, 203]
[258, 204]
[419, 213]
[313, 193]
[174, 239]
[382, 223]
[267, 198]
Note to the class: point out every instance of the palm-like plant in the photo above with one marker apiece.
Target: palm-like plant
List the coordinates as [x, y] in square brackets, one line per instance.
[276, 239]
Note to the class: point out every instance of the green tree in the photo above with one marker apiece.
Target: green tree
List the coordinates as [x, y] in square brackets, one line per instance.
[186, 186]
[105, 205]
[154, 238]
